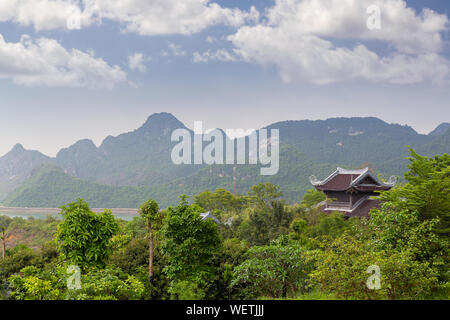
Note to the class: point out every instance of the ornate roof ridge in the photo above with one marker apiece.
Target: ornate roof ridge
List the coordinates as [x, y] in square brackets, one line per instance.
[316, 182]
[391, 182]
[362, 173]
[352, 171]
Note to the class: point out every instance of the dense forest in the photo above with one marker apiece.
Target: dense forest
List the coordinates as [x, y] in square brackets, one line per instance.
[262, 247]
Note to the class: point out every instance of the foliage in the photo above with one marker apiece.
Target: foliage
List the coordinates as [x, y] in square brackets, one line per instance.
[84, 237]
[33, 233]
[342, 270]
[264, 194]
[16, 258]
[271, 249]
[186, 290]
[311, 198]
[221, 199]
[264, 224]
[109, 284]
[272, 271]
[189, 244]
[133, 259]
[32, 288]
[149, 210]
[427, 190]
[106, 284]
[417, 214]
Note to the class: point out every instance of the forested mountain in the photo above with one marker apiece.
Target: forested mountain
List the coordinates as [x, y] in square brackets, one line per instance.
[354, 141]
[17, 165]
[140, 157]
[437, 145]
[140, 162]
[50, 187]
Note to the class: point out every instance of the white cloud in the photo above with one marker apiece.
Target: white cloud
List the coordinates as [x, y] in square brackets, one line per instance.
[218, 55]
[44, 62]
[211, 39]
[44, 14]
[299, 38]
[136, 62]
[159, 17]
[177, 50]
[174, 50]
[145, 17]
[408, 31]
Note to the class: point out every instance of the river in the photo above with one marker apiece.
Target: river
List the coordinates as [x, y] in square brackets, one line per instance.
[42, 213]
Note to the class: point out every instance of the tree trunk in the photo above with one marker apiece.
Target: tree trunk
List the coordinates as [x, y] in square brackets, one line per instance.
[3, 245]
[150, 256]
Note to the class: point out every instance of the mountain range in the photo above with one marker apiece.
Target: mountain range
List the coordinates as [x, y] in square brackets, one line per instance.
[127, 169]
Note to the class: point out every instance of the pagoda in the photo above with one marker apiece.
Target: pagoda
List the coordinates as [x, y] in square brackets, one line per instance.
[350, 191]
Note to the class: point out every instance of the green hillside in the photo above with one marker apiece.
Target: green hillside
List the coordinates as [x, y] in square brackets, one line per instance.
[50, 187]
[125, 170]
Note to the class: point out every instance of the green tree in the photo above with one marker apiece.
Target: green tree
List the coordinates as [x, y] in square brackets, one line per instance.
[273, 271]
[265, 222]
[342, 270]
[4, 223]
[189, 244]
[15, 259]
[264, 194]
[3, 237]
[84, 237]
[417, 215]
[106, 284]
[311, 198]
[109, 284]
[149, 210]
[32, 288]
[133, 260]
[427, 190]
[221, 199]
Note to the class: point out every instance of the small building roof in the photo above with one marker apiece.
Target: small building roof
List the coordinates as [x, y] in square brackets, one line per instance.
[343, 179]
[208, 215]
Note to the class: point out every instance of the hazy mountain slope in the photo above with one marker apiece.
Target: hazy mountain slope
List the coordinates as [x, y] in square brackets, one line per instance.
[17, 165]
[140, 157]
[143, 158]
[438, 145]
[350, 141]
[293, 176]
[50, 187]
[440, 129]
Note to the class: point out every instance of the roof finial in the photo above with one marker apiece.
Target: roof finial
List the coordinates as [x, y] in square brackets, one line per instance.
[314, 181]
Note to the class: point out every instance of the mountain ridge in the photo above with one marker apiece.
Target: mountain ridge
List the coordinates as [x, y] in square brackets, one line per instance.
[440, 129]
[141, 158]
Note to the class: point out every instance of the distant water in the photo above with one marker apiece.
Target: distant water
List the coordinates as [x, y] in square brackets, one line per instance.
[26, 215]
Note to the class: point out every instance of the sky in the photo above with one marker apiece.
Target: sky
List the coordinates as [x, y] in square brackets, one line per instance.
[76, 69]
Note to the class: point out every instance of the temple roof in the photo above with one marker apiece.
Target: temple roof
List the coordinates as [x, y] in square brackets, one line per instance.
[343, 179]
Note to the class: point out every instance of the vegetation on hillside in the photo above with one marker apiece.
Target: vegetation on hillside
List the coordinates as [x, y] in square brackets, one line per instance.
[263, 248]
[126, 170]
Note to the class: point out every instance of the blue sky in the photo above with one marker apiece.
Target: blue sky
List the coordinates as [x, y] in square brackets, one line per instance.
[223, 62]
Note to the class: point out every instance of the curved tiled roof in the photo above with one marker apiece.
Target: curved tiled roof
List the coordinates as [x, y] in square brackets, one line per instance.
[343, 179]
